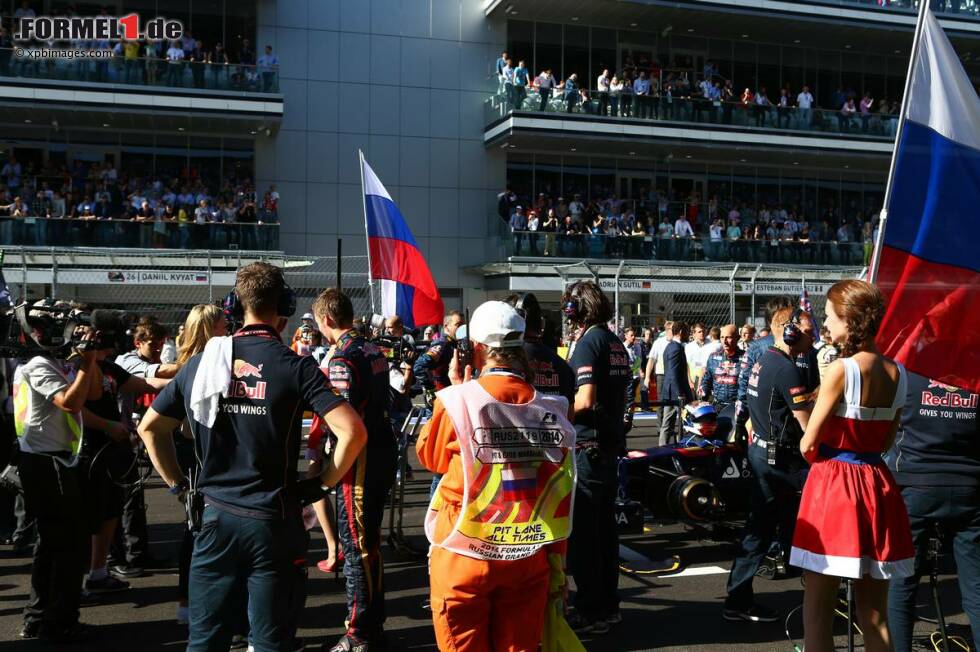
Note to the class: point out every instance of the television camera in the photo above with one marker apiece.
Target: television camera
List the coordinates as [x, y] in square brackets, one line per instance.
[56, 328]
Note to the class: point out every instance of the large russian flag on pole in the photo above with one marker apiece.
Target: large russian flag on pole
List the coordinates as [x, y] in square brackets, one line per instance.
[407, 287]
[927, 262]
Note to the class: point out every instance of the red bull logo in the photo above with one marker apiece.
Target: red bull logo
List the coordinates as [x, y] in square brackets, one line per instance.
[239, 389]
[934, 384]
[242, 369]
[951, 397]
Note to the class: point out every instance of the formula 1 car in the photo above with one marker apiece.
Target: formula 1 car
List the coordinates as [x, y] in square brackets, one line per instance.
[702, 480]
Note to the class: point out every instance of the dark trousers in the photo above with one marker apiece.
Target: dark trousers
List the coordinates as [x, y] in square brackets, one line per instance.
[773, 503]
[362, 506]
[53, 498]
[545, 94]
[244, 563]
[593, 548]
[957, 511]
[131, 545]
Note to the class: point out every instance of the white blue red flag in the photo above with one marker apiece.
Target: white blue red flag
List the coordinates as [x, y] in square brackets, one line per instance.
[928, 266]
[407, 287]
[805, 304]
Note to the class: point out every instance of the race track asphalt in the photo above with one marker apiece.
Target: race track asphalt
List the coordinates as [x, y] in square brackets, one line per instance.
[681, 612]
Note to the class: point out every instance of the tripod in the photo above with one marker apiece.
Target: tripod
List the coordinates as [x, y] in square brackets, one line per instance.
[934, 550]
[407, 434]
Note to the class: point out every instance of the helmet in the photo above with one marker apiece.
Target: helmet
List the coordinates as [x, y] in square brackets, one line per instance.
[700, 418]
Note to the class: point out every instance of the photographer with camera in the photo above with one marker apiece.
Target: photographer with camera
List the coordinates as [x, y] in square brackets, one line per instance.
[432, 367]
[243, 397]
[400, 377]
[358, 371]
[107, 454]
[48, 402]
[779, 403]
[602, 375]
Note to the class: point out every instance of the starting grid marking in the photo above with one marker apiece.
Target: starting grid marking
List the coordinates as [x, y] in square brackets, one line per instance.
[637, 416]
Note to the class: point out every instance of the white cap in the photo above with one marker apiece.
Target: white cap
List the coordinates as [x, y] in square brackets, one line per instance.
[308, 315]
[493, 322]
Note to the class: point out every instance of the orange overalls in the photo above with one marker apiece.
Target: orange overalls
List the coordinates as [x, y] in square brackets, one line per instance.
[479, 605]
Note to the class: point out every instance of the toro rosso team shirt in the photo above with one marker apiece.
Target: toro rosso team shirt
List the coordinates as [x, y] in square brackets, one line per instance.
[600, 359]
[249, 455]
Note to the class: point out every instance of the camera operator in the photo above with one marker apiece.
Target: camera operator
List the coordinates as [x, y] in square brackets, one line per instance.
[936, 462]
[602, 375]
[130, 552]
[432, 367]
[47, 417]
[719, 384]
[400, 378]
[107, 452]
[779, 403]
[549, 373]
[359, 372]
[243, 397]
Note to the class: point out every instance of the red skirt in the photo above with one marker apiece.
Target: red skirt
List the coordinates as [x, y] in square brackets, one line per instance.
[853, 523]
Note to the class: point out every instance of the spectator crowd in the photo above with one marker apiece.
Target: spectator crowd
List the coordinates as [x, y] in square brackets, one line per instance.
[649, 92]
[661, 225]
[87, 203]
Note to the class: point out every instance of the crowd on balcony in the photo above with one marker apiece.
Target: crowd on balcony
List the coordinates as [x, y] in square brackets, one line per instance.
[662, 226]
[95, 204]
[187, 62]
[649, 92]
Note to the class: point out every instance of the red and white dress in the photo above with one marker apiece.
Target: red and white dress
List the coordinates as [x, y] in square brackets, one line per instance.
[852, 520]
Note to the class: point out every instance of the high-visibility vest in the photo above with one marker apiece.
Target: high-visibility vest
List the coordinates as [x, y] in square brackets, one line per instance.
[519, 474]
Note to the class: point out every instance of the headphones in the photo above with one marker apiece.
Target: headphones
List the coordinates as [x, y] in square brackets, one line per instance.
[235, 312]
[572, 305]
[791, 330]
[529, 298]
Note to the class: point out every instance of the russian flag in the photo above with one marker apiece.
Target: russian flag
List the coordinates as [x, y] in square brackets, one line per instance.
[407, 287]
[928, 265]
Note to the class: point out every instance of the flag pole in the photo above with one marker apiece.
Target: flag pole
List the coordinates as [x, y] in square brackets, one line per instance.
[889, 185]
[367, 238]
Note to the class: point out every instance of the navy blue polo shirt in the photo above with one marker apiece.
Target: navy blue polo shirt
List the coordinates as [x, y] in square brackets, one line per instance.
[248, 458]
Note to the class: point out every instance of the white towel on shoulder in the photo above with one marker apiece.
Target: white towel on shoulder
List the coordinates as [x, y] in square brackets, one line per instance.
[213, 380]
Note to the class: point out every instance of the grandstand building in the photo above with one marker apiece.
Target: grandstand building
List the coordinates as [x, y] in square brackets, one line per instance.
[272, 135]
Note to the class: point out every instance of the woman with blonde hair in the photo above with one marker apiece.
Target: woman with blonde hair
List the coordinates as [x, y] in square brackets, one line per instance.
[852, 521]
[203, 322]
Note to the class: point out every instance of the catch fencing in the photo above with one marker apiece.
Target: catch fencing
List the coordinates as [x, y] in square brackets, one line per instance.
[167, 284]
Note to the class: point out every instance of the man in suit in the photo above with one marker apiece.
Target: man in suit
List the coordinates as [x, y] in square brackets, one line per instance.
[676, 385]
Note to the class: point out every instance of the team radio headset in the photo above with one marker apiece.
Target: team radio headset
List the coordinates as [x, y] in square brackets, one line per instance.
[792, 334]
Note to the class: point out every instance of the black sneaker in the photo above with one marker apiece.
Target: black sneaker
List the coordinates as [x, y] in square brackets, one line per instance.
[125, 571]
[77, 633]
[754, 614]
[31, 630]
[582, 625]
[107, 584]
[613, 619]
[238, 641]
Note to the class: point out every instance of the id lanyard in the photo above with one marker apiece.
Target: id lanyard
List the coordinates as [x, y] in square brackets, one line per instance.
[501, 371]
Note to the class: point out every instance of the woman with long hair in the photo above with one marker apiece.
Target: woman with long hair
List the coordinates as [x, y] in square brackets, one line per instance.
[852, 521]
[203, 322]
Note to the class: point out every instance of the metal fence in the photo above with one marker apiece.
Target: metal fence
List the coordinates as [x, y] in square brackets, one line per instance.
[168, 284]
[711, 294]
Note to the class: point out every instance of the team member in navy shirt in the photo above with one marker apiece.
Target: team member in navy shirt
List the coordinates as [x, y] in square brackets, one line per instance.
[602, 375]
[252, 531]
[358, 371]
[720, 380]
[548, 373]
[936, 461]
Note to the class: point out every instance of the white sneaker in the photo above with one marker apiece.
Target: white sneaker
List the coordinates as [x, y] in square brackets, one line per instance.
[183, 616]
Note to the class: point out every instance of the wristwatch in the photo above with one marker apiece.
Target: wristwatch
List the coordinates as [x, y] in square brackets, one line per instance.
[180, 487]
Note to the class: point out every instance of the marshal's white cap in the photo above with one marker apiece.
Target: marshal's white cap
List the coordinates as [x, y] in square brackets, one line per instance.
[496, 324]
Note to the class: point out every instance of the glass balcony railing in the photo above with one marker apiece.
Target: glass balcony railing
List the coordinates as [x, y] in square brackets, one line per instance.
[691, 249]
[946, 8]
[92, 232]
[32, 63]
[691, 110]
